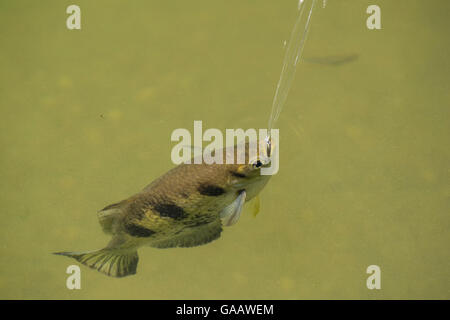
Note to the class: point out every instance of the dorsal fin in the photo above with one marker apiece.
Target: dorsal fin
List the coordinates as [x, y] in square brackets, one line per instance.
[108, 215]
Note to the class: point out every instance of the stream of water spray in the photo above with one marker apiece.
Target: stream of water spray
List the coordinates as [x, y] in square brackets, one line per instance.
[291, 59]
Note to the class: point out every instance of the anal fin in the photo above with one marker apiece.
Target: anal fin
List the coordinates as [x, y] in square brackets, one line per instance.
[192, 236]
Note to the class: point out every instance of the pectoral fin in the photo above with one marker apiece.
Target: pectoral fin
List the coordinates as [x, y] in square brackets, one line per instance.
[253, 206]
[230, 214]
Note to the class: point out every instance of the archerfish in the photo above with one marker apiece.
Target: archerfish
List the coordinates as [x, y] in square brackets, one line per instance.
[186, 207]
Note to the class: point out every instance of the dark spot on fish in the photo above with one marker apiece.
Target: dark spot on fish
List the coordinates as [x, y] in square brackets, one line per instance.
[237, 174]
[170, 210]
[138, 231]
[210, 190]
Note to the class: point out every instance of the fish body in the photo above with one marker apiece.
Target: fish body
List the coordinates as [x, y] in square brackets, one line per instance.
[185, 207]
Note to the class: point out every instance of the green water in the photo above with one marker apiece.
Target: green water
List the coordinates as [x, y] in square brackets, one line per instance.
[364, 159]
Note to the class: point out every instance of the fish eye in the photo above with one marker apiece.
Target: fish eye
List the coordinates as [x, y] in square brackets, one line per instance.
[257, 164]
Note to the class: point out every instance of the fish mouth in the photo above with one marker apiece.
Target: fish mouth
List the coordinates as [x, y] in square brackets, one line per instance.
[266, 161]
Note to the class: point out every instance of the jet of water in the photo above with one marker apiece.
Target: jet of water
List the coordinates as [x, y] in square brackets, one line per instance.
[291, 59]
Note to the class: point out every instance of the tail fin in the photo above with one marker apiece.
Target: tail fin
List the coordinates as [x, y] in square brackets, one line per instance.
[111, 262]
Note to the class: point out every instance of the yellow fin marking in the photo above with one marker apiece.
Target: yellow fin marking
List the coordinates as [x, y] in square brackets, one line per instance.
[253, 206]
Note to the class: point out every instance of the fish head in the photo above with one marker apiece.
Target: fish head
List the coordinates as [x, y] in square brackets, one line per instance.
[247, 176]
[252, 169]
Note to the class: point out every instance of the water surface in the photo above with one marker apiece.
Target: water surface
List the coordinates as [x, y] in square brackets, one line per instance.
[364, 158]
